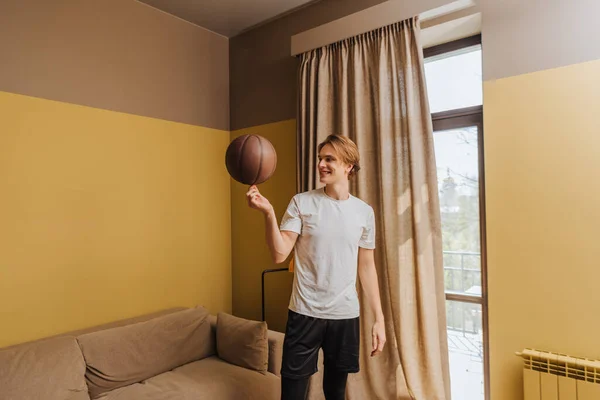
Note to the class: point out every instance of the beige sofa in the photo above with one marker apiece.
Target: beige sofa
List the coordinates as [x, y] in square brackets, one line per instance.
[181, 353]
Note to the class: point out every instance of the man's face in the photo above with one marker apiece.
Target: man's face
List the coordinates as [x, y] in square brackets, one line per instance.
[331, 168]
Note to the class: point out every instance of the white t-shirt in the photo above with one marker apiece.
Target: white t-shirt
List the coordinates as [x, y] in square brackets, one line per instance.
[326, 252]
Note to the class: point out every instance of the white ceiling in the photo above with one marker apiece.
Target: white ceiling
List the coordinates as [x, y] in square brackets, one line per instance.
[227, 17]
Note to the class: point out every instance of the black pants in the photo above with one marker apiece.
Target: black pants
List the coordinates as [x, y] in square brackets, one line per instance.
[304, 337]
[334, 386]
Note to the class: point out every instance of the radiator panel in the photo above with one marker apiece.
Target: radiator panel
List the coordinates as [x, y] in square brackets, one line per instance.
[588, 391]
[567, 388]
[552, 376]
[531, 385]
[549, 385]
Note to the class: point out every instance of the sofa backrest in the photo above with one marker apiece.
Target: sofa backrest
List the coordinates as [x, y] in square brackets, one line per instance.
[120, 356]
[124, 322]
[51, 369]
[96, 328]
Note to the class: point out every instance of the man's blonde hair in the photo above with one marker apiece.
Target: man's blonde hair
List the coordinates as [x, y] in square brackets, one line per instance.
[346, 150]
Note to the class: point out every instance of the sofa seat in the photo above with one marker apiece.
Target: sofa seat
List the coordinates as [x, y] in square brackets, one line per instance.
[208, 379]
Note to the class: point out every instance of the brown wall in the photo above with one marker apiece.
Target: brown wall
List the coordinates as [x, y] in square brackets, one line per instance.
[520, 37]
[262, 71]
[541, 165]
[106, 158]
[118, 55]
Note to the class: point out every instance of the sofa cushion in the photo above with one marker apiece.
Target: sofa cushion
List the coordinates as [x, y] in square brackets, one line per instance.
[121, 356]
[243, 342]
[51, 369]
[207, 379]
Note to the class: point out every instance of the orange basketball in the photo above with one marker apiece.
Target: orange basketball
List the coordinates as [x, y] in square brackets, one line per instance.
[250, 159]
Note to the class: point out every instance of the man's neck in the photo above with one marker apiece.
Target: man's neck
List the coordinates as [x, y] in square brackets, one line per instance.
[338, 191]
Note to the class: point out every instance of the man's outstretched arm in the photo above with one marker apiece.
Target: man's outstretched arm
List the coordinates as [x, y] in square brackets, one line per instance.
[280, 243]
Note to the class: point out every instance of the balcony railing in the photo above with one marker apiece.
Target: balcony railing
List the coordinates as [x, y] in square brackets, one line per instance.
[462, 276]
[462, 272]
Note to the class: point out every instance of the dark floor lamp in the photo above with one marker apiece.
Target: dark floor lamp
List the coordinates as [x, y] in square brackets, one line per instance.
[267, 271]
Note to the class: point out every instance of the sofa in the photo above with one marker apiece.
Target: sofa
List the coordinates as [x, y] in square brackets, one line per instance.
[179, 353]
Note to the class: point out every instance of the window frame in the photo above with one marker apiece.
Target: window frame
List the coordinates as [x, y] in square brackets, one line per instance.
[455, 119]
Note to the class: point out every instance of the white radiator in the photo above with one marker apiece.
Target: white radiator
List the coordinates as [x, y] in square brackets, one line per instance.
[552, 376]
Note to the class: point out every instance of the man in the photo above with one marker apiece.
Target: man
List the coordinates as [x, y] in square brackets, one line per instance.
[333, 235]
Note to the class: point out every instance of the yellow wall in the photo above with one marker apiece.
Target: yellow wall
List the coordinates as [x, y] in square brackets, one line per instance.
[105, 215]
[543, 214]
[250, 255]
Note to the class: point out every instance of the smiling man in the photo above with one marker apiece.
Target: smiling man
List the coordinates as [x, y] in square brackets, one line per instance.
[333, 236]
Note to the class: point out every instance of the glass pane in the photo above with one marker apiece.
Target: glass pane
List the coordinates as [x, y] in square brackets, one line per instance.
[456, 153]
[465, 345]
[455, 81]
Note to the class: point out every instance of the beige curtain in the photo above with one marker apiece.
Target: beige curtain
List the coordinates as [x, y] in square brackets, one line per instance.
[372, 89]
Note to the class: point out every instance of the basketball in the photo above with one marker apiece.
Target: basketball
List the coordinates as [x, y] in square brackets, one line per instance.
[250, 159]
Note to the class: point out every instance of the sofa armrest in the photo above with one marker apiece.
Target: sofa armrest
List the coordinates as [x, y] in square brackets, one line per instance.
[275, 351]
[275, 346]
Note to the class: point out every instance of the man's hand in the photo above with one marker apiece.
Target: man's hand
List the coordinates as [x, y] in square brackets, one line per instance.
[378, 333]
[257, 200]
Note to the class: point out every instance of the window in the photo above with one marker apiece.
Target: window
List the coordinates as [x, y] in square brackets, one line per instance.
[454, 86]
[454, 81]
